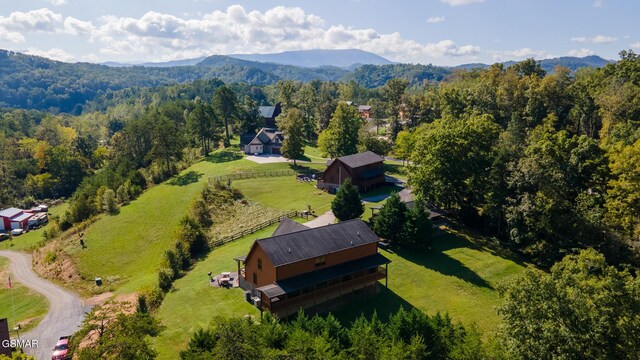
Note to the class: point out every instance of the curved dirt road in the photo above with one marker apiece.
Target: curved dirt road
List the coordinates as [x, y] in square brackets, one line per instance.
[66, 309]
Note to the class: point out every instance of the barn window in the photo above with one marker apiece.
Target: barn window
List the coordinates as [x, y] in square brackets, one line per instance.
[255, 278]
[320, 261]
[259, 263]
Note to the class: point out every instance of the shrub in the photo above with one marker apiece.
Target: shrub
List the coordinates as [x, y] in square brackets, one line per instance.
[165, 279]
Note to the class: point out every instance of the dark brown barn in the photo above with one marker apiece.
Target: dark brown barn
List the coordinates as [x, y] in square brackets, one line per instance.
[307, 268]
[366, 171]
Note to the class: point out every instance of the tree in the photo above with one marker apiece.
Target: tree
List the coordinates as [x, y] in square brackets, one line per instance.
[450, 158]
[341, 137]
[109, 204]
[583, 309]
[393, 92]
[347, 204]
[166, 139]
[111, 331]
[307, 102]
[250, 120]
[292, 126]
[201, 126]
[286, 92]
[226, 104]
[370, 142]
[390, 221]
[417, 228]
[403, 145]
[623, 196]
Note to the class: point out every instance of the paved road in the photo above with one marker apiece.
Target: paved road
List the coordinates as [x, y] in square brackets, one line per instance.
[322, 220]
[66, 309]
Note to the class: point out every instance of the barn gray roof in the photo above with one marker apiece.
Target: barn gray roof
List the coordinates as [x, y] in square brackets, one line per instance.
[360, 159]
[312, 243]
[288, 226]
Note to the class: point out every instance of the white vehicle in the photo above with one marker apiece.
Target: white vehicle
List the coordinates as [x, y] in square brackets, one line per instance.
[16, 232]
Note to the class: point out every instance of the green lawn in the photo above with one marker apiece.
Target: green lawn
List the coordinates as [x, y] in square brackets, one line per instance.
[29, 306]
[193, 302]
[126, 248]
[456, 276]
[32, 238]
[285, 193]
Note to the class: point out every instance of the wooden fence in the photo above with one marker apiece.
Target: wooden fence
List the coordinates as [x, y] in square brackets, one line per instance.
[252, 175]
[262, 225]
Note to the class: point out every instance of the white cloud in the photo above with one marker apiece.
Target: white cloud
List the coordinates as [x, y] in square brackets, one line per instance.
[58, 2]
[435, 19]
[14, 26]
[598, 39]
[519, 54]
[601, 39]
[581, 52]
[54, 54]
[460, 2]
[74, 26]
[635, 45]
[157, 35]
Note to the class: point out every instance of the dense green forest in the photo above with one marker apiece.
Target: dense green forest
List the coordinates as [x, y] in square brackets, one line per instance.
[545, 164]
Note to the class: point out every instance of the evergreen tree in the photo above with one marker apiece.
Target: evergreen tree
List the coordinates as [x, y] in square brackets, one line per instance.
[389, 223]
[226, 104]
[347, 204]
[418, 227]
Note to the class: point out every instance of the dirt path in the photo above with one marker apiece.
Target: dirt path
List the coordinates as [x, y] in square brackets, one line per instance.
[66, 309]
[322, 220]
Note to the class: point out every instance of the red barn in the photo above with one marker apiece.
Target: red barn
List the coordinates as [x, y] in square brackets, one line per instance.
[13, 218]
[366, 171]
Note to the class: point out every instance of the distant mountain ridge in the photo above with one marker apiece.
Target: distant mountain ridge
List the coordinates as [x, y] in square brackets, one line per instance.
[571, 62]
[347, 58]
[317, 58]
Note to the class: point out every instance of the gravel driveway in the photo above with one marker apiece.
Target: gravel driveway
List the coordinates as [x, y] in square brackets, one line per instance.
[66, 309]
[322, 220]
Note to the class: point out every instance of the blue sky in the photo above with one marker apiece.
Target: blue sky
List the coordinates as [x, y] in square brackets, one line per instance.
[441, 32]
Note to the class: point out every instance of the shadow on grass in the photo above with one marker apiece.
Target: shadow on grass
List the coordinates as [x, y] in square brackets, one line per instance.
[186, 179]
[223, 156]
[303, 169]
[436, 260]
[384, 303]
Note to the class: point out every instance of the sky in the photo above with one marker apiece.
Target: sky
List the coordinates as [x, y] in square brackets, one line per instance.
[439, 32]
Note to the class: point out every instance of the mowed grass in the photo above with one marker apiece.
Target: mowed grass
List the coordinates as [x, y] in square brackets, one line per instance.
[126, 248]
[456, 276]
[285, 193]
[29, 306]
[32, 238]
[193, 303]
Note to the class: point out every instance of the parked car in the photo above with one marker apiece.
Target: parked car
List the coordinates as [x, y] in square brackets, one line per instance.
[61, 349]
[4, 236]
[16, 232]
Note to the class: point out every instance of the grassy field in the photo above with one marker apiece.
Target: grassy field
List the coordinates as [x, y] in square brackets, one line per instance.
[30, 307]
[31, 239]
[456, 275]
[285, 193]
[204, 301]
[127, 247]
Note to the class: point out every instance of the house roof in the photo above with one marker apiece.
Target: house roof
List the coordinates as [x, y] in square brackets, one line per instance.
[267, 111]
[10, 212]
[314, 277]
[266, 136]
[360, 159]
[364, 107]
[22, 217]
[288, 226]
[247, 137]
[312, 243]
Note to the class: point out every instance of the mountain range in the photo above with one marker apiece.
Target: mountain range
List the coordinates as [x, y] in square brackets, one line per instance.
[33, 82]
